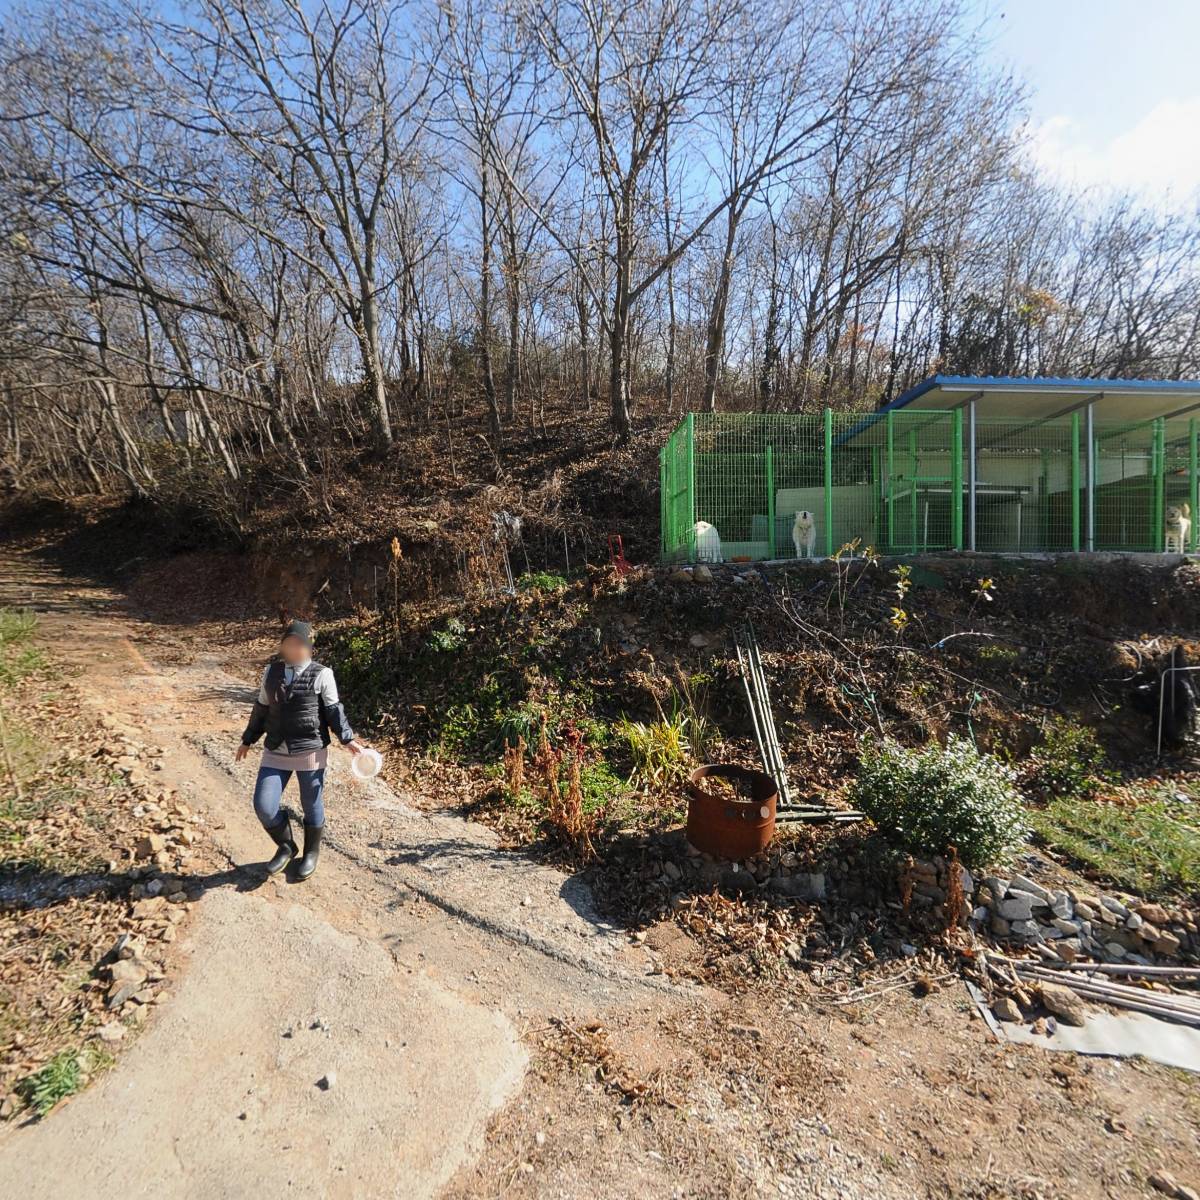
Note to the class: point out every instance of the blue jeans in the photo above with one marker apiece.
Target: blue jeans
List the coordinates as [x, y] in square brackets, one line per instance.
[268, 791]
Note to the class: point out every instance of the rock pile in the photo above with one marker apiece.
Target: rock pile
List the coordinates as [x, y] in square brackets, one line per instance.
[1063, 925]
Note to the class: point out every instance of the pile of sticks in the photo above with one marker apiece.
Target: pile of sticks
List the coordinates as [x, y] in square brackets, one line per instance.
[1096, 982]
[769, 751]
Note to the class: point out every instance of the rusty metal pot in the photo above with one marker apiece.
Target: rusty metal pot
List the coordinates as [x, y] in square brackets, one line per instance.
[726, 826]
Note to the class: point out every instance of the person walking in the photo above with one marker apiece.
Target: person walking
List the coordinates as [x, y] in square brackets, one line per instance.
[299, 711]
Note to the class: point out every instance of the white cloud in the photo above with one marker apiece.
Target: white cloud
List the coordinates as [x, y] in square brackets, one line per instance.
[1158, 158]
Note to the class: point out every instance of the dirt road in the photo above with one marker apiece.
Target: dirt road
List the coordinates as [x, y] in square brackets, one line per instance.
[399, 974]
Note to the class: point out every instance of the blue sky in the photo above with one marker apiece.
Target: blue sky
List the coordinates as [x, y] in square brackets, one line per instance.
[1114, 88]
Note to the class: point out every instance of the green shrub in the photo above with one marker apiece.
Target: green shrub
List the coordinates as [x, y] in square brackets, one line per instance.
[1069, 762]
[450, 639]
[541, 581]
[59, 1078]
[931, 799]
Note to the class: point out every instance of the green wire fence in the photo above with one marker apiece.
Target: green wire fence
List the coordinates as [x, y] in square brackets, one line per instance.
[902, 482]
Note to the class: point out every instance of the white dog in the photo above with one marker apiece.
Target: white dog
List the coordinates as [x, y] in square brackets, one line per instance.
[708, 542]
[804, 534]
[1177, 526]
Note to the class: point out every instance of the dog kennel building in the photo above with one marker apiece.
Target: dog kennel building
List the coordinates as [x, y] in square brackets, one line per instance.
[991, 464]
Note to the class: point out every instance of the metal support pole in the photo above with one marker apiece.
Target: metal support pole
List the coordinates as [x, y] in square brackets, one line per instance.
[891, 476]
[1193, 481]
[828, 483]
[971, 480]
[1075, 481]
[912, 491]
[662, 503]
[1089, 418]
[1160, 482]
[770, 473]
[956, 499]
[691, 485]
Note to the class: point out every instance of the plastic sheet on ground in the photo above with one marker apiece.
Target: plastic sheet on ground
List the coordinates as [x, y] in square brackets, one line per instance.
[1109, 1034]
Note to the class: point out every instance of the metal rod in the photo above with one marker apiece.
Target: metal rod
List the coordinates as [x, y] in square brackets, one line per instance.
[1162, 693]
[1075, 481]
[1089, 413]
[971, 474]
[1193, 482]
[828, 482]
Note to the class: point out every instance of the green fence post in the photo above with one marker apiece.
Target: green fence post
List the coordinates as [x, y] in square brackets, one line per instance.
[891, 475]
[1074, 481]
[1193, 481]
[956, 496]
[913, 466]
[770, 468]
[1160, 478]
[828, 482]
[691, 485]
[662, 503]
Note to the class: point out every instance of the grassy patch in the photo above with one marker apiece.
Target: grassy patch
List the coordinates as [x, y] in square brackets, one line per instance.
[1151, 848]
[541, 581]
[63, 1076]
[19, 657]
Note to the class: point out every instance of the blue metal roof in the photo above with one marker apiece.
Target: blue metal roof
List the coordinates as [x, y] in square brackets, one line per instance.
[1044, 384]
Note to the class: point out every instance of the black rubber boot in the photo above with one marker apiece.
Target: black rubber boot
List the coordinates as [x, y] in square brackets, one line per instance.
[312, 851]
[282, 835]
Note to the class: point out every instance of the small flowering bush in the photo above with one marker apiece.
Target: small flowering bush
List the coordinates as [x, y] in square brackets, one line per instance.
[930, 799]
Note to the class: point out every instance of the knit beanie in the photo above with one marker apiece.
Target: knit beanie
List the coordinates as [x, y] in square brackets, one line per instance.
[301, 630]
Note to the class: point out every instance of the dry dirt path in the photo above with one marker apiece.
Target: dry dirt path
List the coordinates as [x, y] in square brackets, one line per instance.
[403, 972]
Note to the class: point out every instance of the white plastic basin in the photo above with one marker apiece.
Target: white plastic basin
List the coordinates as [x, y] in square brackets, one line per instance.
[367, 765]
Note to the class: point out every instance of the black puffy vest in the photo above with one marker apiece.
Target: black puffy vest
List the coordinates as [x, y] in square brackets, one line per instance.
[294, 717]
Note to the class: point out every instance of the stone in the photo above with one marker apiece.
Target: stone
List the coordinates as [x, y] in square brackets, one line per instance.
[1029, 930]
[1015, 908]
[1085, 912]
[801, 886]
[150, 845]
[1167, 943]
[1020, 884]
[1114, 949]
[150, 907]
[701, 574]
[327, 1081]
[1148, 933]
[1061, 905]
[127, 970]
[114, 1031]
[1114, 906]
[120, 992]
[154, 887]
[1068, 950]
[539, 1139]
[681, 576]
[1107, 917]
[1064, 925]
[671, 870]
[1164, 1181]
[997, 886]
[1064, 1004]
[1133, 922]
[1154, 913]
[1006, 1010]
[980, 914]
[1000, 927]
[698, 641]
